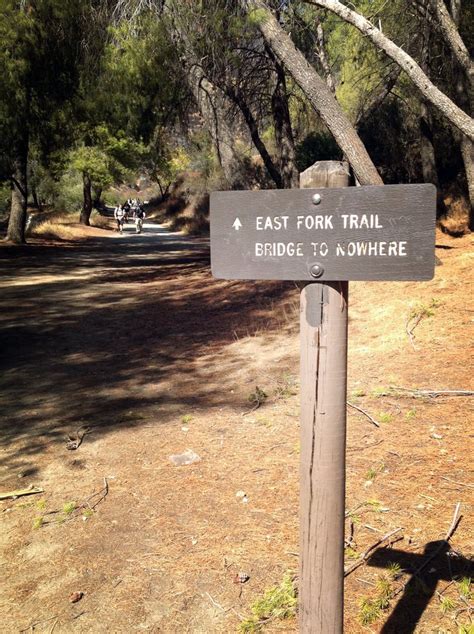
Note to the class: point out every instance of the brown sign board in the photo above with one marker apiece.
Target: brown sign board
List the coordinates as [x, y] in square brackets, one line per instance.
[352, 233]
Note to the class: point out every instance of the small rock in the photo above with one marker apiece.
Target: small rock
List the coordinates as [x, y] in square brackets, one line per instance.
[75, 597]
[240, 494]
[185, 458]
[241, 577]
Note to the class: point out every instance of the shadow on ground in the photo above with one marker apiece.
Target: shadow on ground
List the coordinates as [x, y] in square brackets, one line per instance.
[92, 333]
[438, 562]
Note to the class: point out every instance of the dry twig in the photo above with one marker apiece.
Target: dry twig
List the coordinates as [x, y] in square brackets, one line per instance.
[33, 625]
[365, 555]
[372, 420]
[417, 393]
[461, 484]
[31, 490]
[411, 323]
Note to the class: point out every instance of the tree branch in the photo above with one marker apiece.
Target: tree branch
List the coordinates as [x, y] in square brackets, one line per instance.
[450, 110]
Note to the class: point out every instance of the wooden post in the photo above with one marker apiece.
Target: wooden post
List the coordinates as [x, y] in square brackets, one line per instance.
[323, 437]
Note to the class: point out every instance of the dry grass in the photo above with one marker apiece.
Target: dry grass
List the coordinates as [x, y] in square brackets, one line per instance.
[456, 223]
[64, 225]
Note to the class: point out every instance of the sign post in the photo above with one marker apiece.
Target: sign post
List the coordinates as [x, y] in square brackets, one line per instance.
[323, 371]
[327, 236]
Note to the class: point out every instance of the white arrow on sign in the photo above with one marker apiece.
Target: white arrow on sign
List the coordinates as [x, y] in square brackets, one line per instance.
[237, 224]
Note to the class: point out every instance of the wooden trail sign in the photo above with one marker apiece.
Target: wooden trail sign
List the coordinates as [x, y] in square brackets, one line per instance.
[330, 235]
[357, 233]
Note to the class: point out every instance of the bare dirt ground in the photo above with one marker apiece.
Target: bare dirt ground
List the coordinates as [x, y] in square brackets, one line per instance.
[133, 337]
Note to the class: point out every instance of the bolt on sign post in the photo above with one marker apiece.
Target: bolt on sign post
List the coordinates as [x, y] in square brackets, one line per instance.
[324, 234]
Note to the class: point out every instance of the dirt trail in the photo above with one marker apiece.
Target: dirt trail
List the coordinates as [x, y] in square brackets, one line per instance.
[132, 337]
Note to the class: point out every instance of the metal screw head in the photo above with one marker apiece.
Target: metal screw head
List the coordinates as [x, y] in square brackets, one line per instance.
[316, 270]
[316, 199]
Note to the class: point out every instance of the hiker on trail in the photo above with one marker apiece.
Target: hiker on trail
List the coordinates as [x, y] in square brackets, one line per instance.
[139, 218]
[127, 209]
[119, 215]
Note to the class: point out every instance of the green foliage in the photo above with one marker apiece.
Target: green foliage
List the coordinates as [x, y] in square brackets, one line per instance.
[371, 474]
[5, 197]
[278, 602]
[95, 162]
[40, 56]
[370, 608]
[316, 146]
[464, 587]
[375, 505]
[380, 391]
[350, 553]
[69, 507]
[256, 17]
[421, 311]
[447, 605]
[369, 611]
[258, 397]
[38, 522]
[67, 193]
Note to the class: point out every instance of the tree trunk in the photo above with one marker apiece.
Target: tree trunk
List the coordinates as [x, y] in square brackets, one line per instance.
[431, 93]
[240, 101]
[36, 200]
[323, 58]
[283, 130]
[464, 90]
[456, 10]
[467, 151]
[427, 150]
[211, 102]
[97, 197]
[448, 27]
[87, 204]
[317, 92]
[17, 221]
[428, 157]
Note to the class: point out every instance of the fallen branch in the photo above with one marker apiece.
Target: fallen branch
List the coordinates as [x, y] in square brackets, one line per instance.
[372, 420]
[102, 495]
[33, 625]
[218, 605]
[432, 393]
[31, 490]
[461, 484]
[365, 555]
[411, 324]
[89, 504]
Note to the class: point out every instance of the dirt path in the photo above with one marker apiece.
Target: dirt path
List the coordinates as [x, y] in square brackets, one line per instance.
[131, 336]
